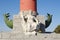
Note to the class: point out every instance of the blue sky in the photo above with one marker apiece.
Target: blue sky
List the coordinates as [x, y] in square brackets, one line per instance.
[43, 7]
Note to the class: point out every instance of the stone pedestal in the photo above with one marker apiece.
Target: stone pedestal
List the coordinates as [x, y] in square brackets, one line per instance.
[17, 20]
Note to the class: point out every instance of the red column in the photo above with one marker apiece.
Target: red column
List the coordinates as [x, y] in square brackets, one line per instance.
[28, 5]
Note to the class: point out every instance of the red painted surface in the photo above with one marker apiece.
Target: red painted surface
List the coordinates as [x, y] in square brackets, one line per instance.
[28, 5]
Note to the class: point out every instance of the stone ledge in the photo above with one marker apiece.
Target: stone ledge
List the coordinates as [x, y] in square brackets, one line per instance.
[21, 36]
[5, 35]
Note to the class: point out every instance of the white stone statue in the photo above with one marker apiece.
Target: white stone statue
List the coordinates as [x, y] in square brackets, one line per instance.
[29, 24]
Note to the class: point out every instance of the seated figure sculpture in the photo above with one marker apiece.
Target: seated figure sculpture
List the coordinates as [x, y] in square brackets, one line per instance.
[29, 24]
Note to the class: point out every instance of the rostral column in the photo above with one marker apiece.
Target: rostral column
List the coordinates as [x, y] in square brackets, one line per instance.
[26, 5]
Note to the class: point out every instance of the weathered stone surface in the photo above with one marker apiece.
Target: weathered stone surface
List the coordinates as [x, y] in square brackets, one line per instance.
[4, 39]
[17, 24]
[17, 35]
[5, 35]
[21, 36]
[56, 36]
[0, 35]
[41, 19]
